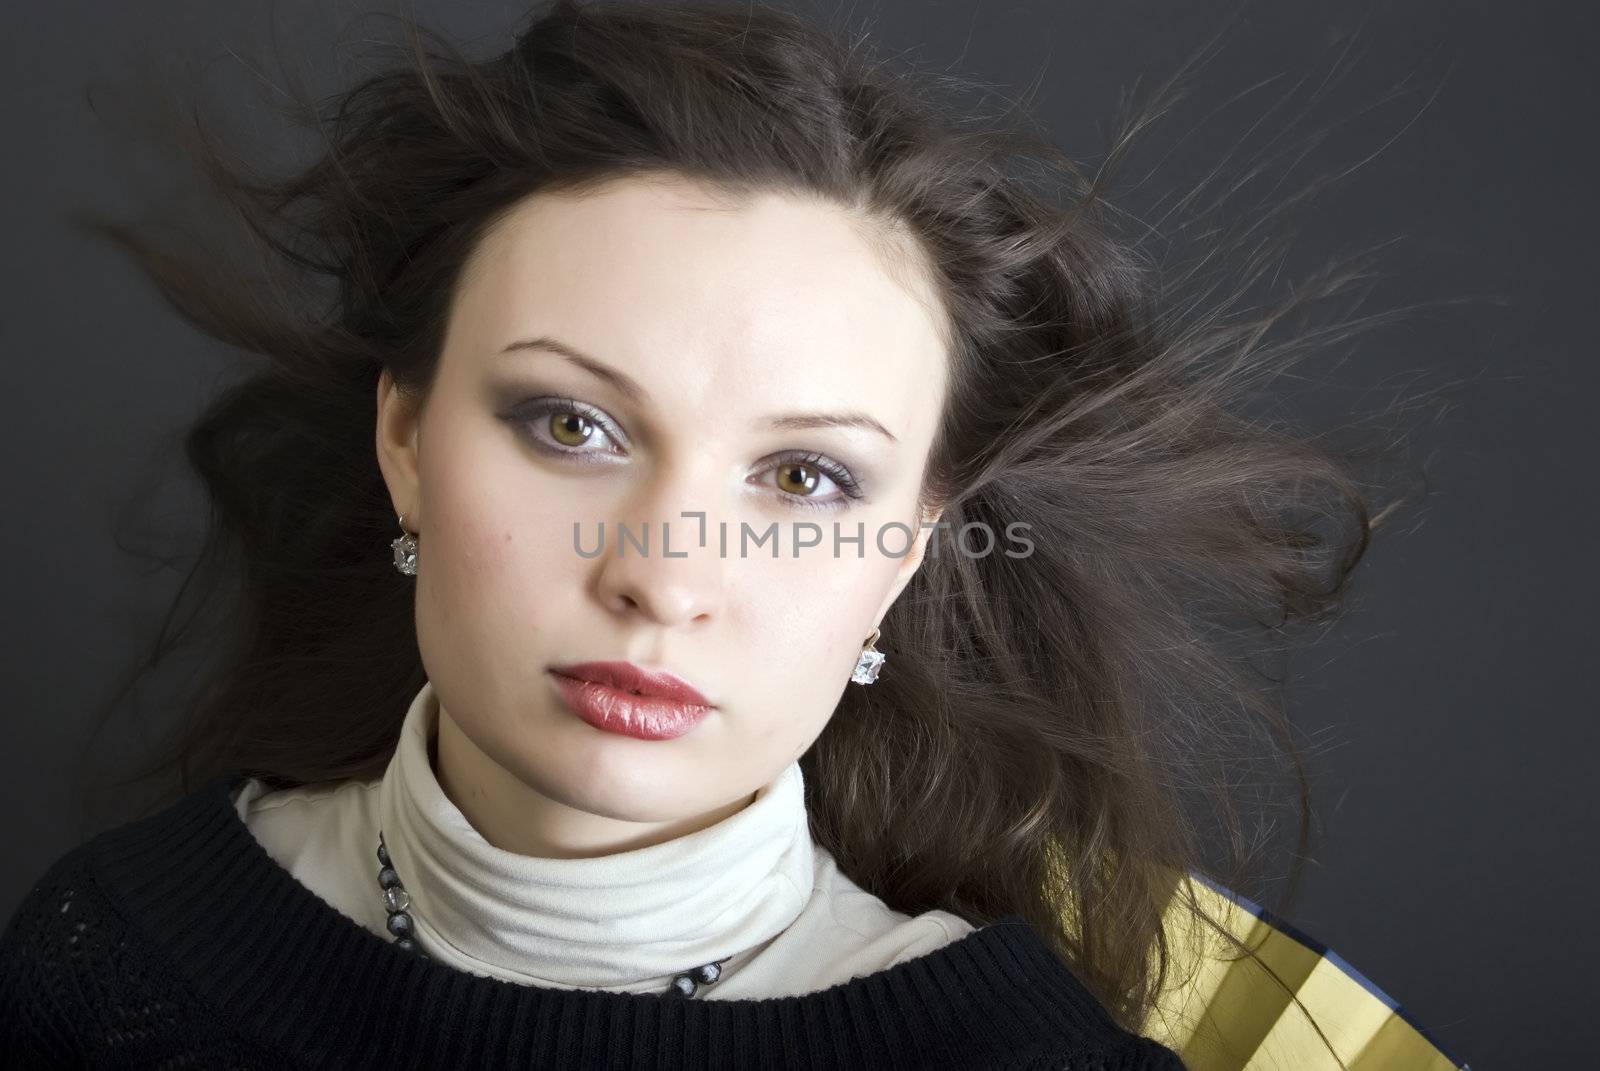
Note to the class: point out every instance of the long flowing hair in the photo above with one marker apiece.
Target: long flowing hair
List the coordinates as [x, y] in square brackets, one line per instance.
[1059, 735]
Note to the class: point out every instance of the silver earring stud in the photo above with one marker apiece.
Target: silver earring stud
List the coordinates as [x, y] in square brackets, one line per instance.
[405, 550]
[870, 662]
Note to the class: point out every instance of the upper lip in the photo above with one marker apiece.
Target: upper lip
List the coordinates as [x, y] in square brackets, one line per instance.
[629, 677]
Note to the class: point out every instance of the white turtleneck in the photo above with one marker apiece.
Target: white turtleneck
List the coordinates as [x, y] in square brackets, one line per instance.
[753, 889]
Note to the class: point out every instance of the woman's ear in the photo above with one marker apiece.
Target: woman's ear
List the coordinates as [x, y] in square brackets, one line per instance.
[398, 418]
[911, 562]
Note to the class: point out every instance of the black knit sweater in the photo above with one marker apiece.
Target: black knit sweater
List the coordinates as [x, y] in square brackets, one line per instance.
[177, 941]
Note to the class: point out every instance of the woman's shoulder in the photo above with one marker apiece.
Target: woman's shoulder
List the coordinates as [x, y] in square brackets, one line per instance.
[82, 984]
[65, 901]
[83, 979]
[49, 936]
[855, 917]
[70, 906]
[66, 956]
[252, 796]
[939, 951]
[46, 908]
[311, 821]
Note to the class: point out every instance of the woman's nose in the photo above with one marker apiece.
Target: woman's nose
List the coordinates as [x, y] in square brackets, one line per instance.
[658, 562]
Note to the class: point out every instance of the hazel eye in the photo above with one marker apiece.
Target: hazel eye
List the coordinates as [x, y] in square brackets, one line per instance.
[812, 481]
[568, 428]
[798, 478]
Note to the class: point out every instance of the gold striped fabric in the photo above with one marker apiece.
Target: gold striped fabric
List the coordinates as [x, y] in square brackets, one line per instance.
[1228, 1010]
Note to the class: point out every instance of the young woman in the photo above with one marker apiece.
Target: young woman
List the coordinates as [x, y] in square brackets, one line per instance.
[727, 576]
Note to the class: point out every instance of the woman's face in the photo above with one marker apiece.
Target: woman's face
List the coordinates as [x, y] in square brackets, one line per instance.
[721, 319]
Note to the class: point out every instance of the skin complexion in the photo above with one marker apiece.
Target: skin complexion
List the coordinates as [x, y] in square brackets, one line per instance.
[625, 355]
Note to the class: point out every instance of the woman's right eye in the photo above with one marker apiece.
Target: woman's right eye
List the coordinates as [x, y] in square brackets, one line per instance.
[564, 426]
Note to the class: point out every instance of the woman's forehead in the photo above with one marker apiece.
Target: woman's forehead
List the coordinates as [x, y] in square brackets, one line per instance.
[688, 292]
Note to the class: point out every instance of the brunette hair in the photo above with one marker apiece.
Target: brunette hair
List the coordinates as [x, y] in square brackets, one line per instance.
[1059, 735]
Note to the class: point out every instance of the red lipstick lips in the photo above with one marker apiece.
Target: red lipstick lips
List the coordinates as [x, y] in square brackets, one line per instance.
[619, 697]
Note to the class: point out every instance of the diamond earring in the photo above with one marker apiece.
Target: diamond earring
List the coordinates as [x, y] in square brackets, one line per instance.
[405, 550]
[870, 662]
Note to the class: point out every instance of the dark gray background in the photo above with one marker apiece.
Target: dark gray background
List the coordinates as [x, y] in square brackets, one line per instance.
[1455, 863]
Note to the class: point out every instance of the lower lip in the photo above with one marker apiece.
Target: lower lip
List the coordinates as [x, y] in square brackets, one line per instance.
[613, 710]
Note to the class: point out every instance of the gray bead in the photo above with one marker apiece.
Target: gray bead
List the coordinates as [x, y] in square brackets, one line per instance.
[682, 986]
[388, 878]
[707, 974]
[400, 924]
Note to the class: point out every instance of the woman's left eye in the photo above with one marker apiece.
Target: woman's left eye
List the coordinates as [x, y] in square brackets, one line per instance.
[798, 478]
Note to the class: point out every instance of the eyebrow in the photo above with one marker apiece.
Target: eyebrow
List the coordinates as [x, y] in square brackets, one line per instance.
[630, 388]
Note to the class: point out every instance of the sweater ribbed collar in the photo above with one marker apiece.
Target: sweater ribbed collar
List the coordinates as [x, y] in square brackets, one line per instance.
[630, 920]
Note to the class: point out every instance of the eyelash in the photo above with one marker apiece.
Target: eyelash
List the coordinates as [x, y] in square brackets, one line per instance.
[529, 414]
